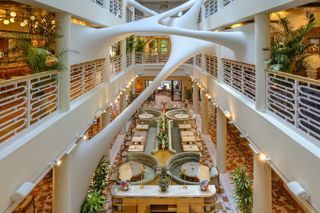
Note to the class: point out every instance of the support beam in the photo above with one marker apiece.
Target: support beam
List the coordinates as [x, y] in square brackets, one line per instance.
[262, 40]
[204, 113]
[63, 43]
[123, 52]
[221, 141]
[262, 190]
[195, 98]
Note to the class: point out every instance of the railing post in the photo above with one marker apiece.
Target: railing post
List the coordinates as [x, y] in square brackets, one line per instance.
[64, 29]
[262, 40]
[28, 85]
[95, 74]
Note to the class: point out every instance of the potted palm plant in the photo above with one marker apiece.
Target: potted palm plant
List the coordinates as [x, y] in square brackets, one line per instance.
[289, 47]
[242, 190]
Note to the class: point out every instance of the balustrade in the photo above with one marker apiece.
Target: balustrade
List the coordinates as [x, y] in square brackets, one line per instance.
[211, 7]
[296, 100]
[116, 7]
[101, 3]
[27, 100]
[212, 65]
[129, 15]
[85, 76]
[198, 60]
[241, 77]
[129, 59]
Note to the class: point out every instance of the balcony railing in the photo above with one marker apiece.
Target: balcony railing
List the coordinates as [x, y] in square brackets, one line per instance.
[212, 65]
[296, 100]
[101, 3]
[211, 7]
[241, 77]
[86, 76]
[116, 64]
[227, 2]
[129, 59]
[27, 100]
[129, 15]
[199, 60]
[151, 58]
[116, 7]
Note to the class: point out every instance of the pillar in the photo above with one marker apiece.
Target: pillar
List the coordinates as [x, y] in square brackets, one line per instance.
[221, 141]
[63, 43]
[123, 52]
[204, 113]
[62, 187]
[105, 119]
[123, 105]
[220, 71]
[262, 190]
[195, 98]
[262, 40]
[107, 67]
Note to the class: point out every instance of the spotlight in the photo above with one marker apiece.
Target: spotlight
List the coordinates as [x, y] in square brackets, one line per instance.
[6, 22]
[12, 20]
[263, 157]
[58, 162]
[84, 137]
[13, 14]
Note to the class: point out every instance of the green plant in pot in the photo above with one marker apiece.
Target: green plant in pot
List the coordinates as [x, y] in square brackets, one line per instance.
[188, 94]
[289, 47]
[242, 190]
[164, 181]
[99, 179]
[94, 203]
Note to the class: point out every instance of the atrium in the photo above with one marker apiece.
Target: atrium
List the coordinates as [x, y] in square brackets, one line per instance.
[152, 106]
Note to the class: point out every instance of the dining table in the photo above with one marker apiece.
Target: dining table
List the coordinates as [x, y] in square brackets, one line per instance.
[142, 127]
[184, 126]
[187, 133]
[188, 139]
[190, 148]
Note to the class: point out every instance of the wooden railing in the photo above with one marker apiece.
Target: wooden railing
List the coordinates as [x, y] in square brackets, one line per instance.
[295, 100]
[85, 76]
[241, 77]
[25, 101]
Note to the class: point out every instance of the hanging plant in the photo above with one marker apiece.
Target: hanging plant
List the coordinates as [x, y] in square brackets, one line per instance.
[288, 46]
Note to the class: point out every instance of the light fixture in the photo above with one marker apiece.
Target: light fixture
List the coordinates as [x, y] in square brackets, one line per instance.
[58, 162]
[84, 137]
[12, 20]
[13, 14]
[6, 22]
[22, 191]
[236, 25]
[297, 190]
[32, 18]
[228, 114]
[244, 135]
[263, 157]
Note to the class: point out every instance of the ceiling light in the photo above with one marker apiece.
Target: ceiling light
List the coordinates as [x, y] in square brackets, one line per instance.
[13, 14]
[6, 22]
[84, 137]
[12, 20]
[53, 22]
[32, 18]
[263, 157]
[236, 25]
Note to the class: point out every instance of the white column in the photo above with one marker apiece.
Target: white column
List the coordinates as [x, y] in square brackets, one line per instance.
[123, 105]
[262, 39]
[123, 52]
[204, 113]
[262, 188]
[105, 119]
[107, 67]
[221, 141]
[219, 65]
[63, 43]
[195, 98]
[62, 187]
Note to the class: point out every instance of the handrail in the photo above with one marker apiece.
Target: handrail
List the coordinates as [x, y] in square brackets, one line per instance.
[296, 77]
[27, 77]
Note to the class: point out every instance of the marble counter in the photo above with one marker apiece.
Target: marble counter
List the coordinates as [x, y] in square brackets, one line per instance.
[154, 191]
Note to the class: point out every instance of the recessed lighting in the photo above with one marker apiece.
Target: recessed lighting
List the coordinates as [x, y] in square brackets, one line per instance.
[12, 20]
[59, 162]
[263, 157]
[6, 22]
[13, 14]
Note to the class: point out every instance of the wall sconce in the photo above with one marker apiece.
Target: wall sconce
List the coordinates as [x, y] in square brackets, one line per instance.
[58, 162]
[84, 137]
[263, 157]
[22, 191]
[232, 122]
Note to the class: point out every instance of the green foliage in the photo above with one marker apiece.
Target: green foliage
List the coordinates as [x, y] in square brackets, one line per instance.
[162, 136]
[139, 45]
[95, 200]
[187, 94]
[288, 46]
[242, 190]
[99, 179]
[94, 203]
